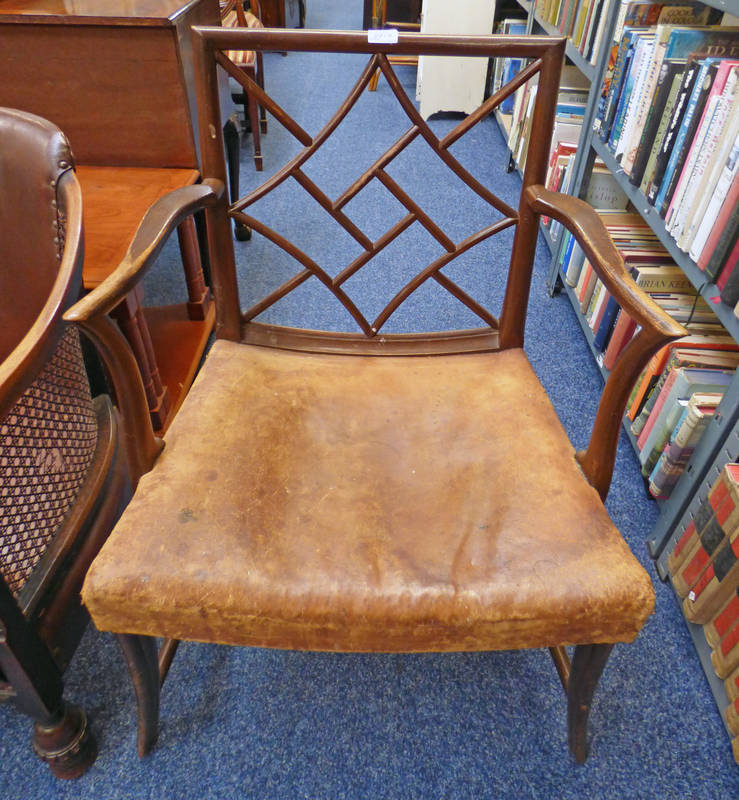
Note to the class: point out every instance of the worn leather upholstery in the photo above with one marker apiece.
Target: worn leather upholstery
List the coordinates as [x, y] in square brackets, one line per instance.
[368, 503]
[33, 153]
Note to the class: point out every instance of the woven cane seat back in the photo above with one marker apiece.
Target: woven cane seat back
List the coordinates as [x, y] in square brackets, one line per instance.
[47, 443]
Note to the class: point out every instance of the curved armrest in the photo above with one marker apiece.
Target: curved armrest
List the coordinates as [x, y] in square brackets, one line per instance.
[142, 446]
[656, 327]
[155, 228]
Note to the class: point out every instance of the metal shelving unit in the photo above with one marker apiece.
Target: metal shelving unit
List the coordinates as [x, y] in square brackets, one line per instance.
[590, 147]
[720, 442]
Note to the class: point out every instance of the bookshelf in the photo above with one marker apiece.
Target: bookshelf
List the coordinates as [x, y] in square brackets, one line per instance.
[727, 451]
[593, 73]
[590, 146]
[720, 442]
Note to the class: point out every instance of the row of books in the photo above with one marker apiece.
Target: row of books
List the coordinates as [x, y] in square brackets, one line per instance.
[582, 21]
[602, 191]
[571, 102]
[683, 384]
[704, 567]
[669, 112]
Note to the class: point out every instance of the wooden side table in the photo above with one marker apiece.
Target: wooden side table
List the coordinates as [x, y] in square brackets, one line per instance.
[118, 79]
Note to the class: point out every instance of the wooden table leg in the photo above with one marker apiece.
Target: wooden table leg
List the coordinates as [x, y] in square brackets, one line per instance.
[130, 317]
[198, 293]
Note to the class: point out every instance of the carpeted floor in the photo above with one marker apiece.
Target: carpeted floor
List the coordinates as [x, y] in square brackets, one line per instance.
[240, 723]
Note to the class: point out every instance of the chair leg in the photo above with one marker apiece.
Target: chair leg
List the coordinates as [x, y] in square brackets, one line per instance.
[587, 666]
[242, 232]
[253, 111]
[140, 653]
[64, 742]
[260, 83]
[372, 85]
[61, 736]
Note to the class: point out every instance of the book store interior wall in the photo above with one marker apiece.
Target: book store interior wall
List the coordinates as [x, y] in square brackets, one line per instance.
[647, 133]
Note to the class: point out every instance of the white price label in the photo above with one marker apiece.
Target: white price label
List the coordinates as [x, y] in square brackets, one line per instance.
[384, 36]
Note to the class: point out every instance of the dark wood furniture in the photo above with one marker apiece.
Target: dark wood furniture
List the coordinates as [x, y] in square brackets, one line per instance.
[404, 10]
[380, 20]
[274, 16]
[250, 63]
[363, 491]
[63, 470]
[120, 83]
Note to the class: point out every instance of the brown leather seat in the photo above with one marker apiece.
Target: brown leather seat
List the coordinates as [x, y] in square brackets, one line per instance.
[294, 485]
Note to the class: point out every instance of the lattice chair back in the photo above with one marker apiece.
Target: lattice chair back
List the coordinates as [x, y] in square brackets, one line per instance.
[544, 68]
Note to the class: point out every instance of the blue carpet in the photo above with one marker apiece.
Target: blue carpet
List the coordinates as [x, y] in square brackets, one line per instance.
[240, 723]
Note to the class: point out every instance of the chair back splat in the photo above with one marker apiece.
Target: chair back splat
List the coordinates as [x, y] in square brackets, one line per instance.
[546, 60]
[357, 488]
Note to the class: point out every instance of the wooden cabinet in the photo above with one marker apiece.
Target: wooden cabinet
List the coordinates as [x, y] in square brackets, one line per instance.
[118, 79]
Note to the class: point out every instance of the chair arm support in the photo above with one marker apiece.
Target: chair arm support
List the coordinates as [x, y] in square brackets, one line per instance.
[656, 328]
[158, 223]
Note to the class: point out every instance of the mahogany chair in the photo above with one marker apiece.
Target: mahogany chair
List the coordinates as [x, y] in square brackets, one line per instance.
[250, 62]
[68, 461]
[361, 491]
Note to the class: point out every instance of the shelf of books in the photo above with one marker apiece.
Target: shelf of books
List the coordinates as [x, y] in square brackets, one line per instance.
[659, 158]
[702, 560]
[656, 152]
[581, 21]
[514, 116]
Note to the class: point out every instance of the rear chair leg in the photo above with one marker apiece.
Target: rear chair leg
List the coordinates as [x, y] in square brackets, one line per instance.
[140, 653]
[587, 666]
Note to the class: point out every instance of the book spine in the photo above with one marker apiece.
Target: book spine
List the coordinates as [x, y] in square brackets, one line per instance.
[711, 538]
[699, 153]
[719, 626]
[721, 191]
[623, 331]
[729, 268]
[645, 79]
[668, 140]
[731, 715]
[606, 324]
[715, 585]
[731, 684]
[664, 122]
[643, 425]
[685, 135]
[602, 124]
[623, 100]
[725, 656]
[654, 111]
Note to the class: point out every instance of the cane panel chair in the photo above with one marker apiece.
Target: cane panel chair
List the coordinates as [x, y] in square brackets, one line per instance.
[68, 461]
[360, 491]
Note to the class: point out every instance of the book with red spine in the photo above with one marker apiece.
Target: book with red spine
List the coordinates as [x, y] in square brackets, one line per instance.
[725, 486]
[721, 531]
[715, 586]
[725, 657]
[731, 684]
[623, 332]
[719, 626]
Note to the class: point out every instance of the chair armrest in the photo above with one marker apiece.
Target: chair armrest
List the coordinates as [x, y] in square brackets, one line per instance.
[142, 446]
[158, 223]
[656, 328]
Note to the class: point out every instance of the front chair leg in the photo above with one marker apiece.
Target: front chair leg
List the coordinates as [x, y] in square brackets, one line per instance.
[140, 653]
[587, 666]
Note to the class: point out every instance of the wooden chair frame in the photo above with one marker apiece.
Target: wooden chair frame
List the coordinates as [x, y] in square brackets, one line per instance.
[580, 676]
